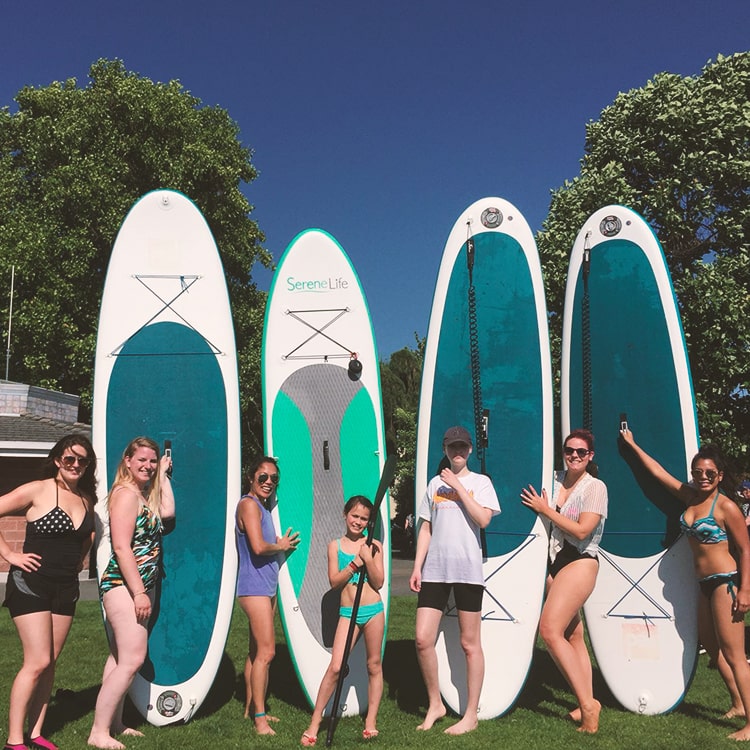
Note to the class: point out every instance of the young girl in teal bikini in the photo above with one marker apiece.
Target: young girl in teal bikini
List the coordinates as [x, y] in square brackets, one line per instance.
[709, 520]
[348, 558]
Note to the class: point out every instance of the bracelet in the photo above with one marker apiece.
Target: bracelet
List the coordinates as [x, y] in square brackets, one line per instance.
[138, 593]
[354, 568]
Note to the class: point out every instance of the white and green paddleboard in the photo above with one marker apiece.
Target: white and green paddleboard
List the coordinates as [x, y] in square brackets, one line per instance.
[324, 423]
[624, 354]
[499, 342]
[166, 367]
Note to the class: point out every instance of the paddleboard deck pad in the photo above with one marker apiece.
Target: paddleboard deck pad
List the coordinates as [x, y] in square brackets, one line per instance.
[166, 368]
[512, 358]
[632, 361]
[323, 421]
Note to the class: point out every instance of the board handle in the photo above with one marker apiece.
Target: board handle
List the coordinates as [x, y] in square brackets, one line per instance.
[168, 452]
[326, 456]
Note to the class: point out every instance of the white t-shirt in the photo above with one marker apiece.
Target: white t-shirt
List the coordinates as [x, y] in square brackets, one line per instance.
[455, 551]
[588, 496]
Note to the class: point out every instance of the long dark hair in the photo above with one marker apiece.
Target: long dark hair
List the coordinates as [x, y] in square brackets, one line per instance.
[255, 464]
[711, 452]
[87, 482]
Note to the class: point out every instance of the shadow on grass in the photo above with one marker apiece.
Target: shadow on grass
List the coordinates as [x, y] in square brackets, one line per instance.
[546, 688]
[69, 705]
[402, 676]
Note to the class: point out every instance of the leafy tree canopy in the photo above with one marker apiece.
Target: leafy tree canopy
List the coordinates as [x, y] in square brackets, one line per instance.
[72, 162]
[400, 379]
[678, 152]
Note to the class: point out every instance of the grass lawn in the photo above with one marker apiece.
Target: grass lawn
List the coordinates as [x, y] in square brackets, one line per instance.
[537, 720]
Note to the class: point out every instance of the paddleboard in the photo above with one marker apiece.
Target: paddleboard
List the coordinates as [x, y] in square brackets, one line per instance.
[323, 420]
[512, 352]
[166, 367]
[641, 616]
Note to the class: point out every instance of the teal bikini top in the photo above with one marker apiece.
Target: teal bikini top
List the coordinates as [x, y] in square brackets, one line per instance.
[344, 560]
[705, 530]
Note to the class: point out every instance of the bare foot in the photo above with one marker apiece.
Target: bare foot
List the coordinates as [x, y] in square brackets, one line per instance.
[575, 715]
[432, 716]
[741, 735]
[272, 718]
[130, 732]
[467, 724]
[105, 742]
[590, 717]
[735, 711]
[261, 725]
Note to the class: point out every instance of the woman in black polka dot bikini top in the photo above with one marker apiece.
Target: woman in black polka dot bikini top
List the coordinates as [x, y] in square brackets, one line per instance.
[42, 588]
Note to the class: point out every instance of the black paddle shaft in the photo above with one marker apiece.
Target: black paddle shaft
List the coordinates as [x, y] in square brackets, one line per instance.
[389, 469]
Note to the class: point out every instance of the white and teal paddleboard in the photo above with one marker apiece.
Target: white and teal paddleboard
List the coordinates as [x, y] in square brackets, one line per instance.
[166, 367]
[324, 423]
[511, 361]
[632, 361]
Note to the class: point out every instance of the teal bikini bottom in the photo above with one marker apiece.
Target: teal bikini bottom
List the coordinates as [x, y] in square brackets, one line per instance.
[365, 613]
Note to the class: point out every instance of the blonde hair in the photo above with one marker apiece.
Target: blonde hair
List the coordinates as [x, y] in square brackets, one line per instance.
[123, 474]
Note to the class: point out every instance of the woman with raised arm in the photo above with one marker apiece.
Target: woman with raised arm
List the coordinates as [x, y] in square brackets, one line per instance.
[42, 588]
[259, 552]
[577, 511]
[140, 500]
[710, 519]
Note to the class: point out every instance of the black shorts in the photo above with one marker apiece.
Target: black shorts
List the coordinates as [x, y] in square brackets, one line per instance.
[468, 596]
[26, 593]
[565, 556]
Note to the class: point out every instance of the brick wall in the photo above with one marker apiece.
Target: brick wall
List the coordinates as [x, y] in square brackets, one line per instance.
[13, 529]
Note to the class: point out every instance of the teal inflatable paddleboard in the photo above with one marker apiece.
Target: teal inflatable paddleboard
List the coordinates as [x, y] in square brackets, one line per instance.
[488, 328]
[624, 359]
[166, 368]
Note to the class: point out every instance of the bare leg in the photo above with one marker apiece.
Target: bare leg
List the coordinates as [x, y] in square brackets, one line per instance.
[428, 621]
[129, 644]
[562, 631]
[470, 624]
[259, 611]
[40, 700]
[730, 634]
[37, 640]
[373, 633]
[331, 676]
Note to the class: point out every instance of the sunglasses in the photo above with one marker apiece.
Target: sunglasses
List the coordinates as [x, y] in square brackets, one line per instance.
[710, 474]
[263, 478]
[580, 452]
[69, 461]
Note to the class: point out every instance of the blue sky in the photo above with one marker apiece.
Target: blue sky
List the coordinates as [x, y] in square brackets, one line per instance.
[381, 122]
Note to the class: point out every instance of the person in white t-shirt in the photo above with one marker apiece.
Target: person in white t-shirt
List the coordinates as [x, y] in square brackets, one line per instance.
[457, 504]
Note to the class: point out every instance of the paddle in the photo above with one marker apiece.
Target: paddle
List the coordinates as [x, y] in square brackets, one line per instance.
[386, 478]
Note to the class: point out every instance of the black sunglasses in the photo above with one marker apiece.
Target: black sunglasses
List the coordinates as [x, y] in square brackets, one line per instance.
[263, 478]
[70, 461]
[580, 452]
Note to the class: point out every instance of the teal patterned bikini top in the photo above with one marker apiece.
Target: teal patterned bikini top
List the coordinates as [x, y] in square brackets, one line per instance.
[705, 530]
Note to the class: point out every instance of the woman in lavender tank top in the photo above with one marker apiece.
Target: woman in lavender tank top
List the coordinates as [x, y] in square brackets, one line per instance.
[259, 552]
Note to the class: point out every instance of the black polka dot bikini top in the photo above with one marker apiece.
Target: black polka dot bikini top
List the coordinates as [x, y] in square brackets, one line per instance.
[53, 523]
[57, 541]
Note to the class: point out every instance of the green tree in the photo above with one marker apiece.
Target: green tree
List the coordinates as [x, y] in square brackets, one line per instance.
[678, 152]
[400, 379]
[72, 162]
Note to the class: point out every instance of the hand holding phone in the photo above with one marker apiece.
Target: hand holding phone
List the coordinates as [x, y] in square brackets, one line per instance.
[168, 454]
[623, 422]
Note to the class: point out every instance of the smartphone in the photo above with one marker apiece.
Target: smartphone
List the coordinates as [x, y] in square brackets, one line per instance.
[168, 453]
[624, 422]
